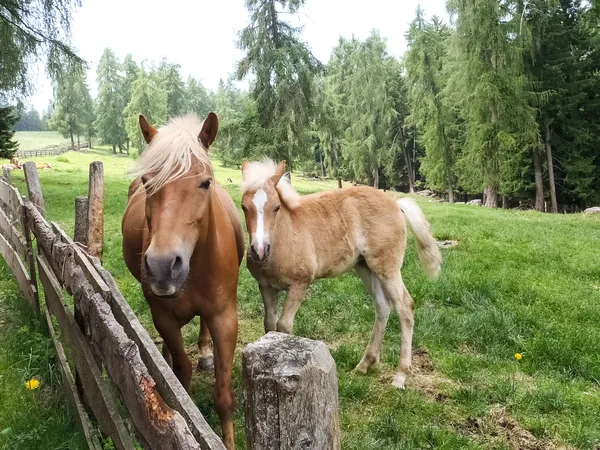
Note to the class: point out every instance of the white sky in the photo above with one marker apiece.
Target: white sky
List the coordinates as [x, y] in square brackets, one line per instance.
[201, 35]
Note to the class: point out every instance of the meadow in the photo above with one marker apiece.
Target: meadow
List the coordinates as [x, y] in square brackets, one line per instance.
[36, 140]
[518, 282]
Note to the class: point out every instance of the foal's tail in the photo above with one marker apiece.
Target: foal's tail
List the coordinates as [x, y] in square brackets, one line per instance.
[429, 253]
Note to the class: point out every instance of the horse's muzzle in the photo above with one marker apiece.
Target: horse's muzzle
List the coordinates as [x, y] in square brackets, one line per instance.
[260, 256]
[165, 273]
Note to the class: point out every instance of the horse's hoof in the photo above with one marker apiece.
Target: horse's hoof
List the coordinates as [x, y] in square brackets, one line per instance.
[399, 380]
[360, 369]
[206, 363]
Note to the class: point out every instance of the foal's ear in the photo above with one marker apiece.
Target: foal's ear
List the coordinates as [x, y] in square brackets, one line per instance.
[148, 131]
[209, 130]
[245, 167]
[279, 171]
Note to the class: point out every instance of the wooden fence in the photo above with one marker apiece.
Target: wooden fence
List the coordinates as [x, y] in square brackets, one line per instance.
[50, 150]
[290, 383]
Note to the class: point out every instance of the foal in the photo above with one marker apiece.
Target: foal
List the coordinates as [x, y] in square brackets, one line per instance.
[183, 241]
[295, 240]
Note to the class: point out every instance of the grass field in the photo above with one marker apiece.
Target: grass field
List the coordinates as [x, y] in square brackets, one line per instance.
[518, 282]
[36, 140]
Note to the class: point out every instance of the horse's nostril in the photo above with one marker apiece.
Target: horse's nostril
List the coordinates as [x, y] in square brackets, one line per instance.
[253, 250]
[177, 264]
[268, 249]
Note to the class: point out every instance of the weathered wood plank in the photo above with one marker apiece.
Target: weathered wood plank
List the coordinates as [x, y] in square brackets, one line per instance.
[83, 421]
[13, 235]
[18, 269]
[34, 188]
[6, 174]
[9, 196]
[96, 390]
[81, 220]
[95, 232]
[167, 383]
[290, 394]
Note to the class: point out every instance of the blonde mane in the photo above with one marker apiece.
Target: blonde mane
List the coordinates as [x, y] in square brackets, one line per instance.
[170, 155]
[257, 173]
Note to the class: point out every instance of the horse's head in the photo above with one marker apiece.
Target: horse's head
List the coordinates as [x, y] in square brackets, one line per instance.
[261, 203]
[178, 180]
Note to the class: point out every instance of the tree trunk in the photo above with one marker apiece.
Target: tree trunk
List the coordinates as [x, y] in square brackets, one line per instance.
[491, 197]
[339, 183]
[550, 170]
[409, 170]
[114, 148]
[539, 183]
[127, 145]
[72, 141]
[323, 167]
[450, 192]
[504, 202]
[90, 143]
[376, 178]
[78, 143]
[491, 170]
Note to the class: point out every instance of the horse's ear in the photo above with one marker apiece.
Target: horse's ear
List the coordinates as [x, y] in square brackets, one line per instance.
[245, 167]
[148, 131]
[209, 130]
[279, 171]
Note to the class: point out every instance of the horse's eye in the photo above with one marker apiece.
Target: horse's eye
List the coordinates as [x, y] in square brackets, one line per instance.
[205, 184]
[277, 208]
[144, 180]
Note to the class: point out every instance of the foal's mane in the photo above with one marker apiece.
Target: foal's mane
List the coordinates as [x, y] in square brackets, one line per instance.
[172, 152]
[258, 173]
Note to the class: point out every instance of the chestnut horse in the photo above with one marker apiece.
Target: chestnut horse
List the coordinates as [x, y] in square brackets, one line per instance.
[295, 240]
[183, 241]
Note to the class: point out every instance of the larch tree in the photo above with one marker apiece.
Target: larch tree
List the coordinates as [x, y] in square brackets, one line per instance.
[168, 77]
[148, 97]
[197, 99]
[424, 63]
[130, 71]
[283, 70]
[109, 123]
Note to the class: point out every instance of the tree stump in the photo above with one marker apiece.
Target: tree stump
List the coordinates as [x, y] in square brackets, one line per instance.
[95, 232]
[81, 220]
[290, 394]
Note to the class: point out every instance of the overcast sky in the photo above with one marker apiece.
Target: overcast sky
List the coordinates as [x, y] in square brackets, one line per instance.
[201, 35]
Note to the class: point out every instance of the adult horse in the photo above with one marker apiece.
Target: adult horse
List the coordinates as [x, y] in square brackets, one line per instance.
[183, 241]
[295, 240]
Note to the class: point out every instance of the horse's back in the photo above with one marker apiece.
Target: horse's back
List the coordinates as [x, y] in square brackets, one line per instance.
[234, 217]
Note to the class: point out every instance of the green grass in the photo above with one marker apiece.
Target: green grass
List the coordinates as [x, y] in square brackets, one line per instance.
[517, 282]
[38, 419]
[36, 140]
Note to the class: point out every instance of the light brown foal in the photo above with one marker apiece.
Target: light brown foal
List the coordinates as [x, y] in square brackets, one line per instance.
[182, 240]
[295, 240]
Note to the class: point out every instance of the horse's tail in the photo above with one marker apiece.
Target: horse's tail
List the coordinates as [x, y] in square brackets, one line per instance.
[429, 253]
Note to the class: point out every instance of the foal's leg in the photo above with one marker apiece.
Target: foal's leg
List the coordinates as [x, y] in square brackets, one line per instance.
[169, 328]
[396, 292]
[223, 329]
[295, 295]
[205, 359]
[269, 296]
[382, 313]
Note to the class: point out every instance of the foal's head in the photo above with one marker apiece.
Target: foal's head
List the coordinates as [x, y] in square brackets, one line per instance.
[178, 181]
[261, 203]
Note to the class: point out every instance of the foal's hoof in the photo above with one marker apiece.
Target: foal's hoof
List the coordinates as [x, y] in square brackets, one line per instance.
[399, 380]
[206, 363]
[360, 369]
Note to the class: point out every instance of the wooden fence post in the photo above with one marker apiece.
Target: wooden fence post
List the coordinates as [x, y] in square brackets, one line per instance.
[34, 188]
[290, 394]
[95, 232]
[81, 220]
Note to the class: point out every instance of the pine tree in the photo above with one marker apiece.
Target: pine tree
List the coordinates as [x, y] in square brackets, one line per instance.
[283, 85]
[168, 77]
[197, 99]
[8, 146]
[109, 122]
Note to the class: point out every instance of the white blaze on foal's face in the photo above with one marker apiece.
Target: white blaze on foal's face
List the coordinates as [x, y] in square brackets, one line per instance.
[260, 208]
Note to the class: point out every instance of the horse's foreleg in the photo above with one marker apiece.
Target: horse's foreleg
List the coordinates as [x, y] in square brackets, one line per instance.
[269, 296]
[295, 296]
[223, 329]
[206, 359]
[168, 327]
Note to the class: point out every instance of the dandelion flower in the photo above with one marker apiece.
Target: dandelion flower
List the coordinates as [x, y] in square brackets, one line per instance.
[32, 384]
[518, 356]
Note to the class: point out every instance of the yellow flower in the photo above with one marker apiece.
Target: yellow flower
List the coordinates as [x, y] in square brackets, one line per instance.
[32, 384]
[518, 356]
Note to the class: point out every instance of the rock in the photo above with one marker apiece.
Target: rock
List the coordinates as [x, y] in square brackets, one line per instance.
[593, 210]
[447, 243]
[459, 203]
[425, 193]
[475, 202]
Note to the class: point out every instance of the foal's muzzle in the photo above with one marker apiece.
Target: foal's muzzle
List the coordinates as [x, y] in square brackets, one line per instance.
[259, 254]
[165, 273]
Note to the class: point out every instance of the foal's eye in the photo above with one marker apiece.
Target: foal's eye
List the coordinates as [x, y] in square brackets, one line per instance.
[277, 208]
[205, 184]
